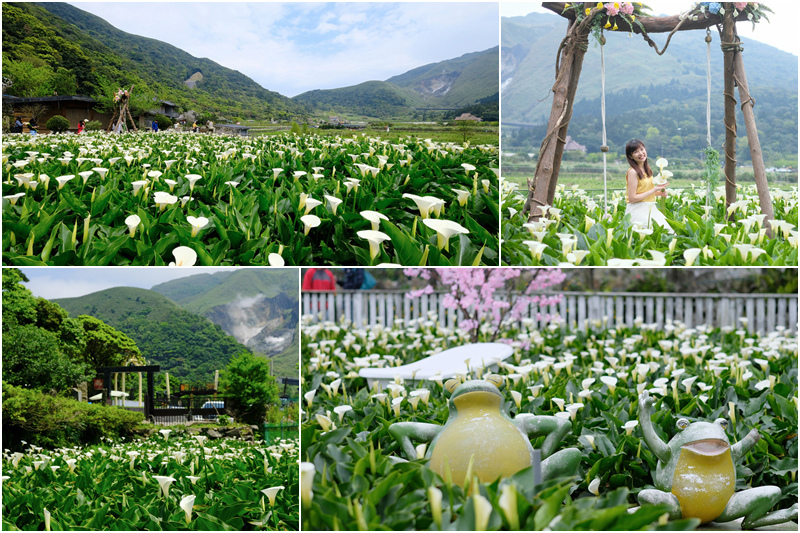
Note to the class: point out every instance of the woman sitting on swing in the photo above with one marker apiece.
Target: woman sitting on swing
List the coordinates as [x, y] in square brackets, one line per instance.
[642, 191]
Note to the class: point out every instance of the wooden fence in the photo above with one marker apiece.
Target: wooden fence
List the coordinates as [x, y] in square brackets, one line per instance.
[763, 312]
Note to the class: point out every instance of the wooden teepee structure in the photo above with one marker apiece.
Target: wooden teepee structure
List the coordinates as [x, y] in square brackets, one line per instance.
[569, 60]
[121, 111]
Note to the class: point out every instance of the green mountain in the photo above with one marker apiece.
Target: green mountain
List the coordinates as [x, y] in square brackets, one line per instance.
[72, 42]
[201, 292]
[186, 345]
[452, 84]
[663, 97]
[258, 307]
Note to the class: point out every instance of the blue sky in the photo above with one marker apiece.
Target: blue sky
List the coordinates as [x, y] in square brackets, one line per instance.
[69, 282]
[296, 47]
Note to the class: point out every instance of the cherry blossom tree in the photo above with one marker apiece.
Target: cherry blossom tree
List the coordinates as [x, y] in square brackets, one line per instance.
[491, 296]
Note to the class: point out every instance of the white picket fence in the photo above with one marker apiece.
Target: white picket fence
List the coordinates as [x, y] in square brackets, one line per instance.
[763, 312]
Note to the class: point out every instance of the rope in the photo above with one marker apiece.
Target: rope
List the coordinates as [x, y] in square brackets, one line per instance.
[603, 115]
[708, 105]
[708, 88]
[666, 44]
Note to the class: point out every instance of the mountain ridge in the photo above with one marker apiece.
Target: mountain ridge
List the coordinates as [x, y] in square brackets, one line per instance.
[101, 57]
[449, 84]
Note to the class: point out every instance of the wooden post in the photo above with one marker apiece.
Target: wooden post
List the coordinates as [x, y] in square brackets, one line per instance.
[728, 38]
[541, 190]
[759, 172]
[149, 404]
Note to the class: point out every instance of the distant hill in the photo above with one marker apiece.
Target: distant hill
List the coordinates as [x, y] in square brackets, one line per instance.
[643, 90]
[184, 344]
[201, 292]
[452, 84]
[258, 307]
[60, 35]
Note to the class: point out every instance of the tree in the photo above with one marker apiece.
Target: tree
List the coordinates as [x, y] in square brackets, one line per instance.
[465, 128]
[106, 346]
[33, 358]
[28, 79]
[40, 343]
[249, 387]
[490, 296]
[64, 81]
[19, 306]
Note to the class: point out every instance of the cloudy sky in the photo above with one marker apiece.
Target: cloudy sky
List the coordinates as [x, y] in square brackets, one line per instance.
[67, 282]
[296, 47]
[780, 31]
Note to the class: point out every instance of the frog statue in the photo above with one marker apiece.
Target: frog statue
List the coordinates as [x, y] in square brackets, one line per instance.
[696, 476]
[478, 430]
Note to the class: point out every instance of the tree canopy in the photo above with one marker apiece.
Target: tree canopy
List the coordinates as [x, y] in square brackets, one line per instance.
[43, 348]
[249, 387]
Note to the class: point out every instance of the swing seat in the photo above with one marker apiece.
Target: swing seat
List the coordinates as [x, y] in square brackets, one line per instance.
[459, 360]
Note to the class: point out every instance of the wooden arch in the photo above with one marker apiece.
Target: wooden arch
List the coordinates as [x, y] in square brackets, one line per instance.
[569, 60]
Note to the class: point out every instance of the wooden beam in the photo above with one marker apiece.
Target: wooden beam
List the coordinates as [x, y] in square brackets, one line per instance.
[541, 188]
[651, 24]
[764, 200]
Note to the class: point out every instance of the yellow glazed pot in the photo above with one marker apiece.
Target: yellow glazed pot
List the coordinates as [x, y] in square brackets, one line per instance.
[483, 434]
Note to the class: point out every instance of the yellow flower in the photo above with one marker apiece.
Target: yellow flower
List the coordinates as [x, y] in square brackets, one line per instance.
[615, 27]
[588, 10]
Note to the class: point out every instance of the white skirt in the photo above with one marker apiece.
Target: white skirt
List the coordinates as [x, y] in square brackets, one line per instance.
[645, 213]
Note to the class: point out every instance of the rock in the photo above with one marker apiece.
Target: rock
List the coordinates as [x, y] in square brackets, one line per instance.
[193, 431]
[233, 432]
[214, 434]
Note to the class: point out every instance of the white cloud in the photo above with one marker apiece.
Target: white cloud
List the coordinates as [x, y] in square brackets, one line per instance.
[70, 282]
[296, 47]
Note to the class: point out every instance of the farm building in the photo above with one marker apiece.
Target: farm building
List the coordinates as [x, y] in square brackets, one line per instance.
[73, 108]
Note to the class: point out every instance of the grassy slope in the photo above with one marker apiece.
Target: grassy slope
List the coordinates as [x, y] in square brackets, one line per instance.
[186, 345]
[395, 97]
[120, 55]
[477, 79]
[200, 293]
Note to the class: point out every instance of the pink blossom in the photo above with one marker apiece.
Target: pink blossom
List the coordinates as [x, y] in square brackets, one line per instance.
[490, 296]
[740, 5]
[626, 8]
[612, 8]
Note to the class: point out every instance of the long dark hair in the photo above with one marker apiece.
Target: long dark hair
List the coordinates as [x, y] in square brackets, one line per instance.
[629, 149]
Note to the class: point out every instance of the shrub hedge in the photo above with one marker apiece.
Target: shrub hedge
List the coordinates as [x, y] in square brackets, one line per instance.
[53, 421]
[57, 124]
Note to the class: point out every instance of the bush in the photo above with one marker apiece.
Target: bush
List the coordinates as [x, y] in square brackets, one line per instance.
[57, 124]
[249, 387]
[53, 421]
[164, 122]
[94, 125]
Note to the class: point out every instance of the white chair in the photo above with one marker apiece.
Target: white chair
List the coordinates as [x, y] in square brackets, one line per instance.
[480, 356]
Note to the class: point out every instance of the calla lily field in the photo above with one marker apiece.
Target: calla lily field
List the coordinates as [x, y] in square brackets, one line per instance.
[577, 231]
[166, 483]
[134, 199]
[591, 375]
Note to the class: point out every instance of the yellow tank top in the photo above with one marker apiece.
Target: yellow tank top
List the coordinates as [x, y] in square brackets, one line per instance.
[646, 185]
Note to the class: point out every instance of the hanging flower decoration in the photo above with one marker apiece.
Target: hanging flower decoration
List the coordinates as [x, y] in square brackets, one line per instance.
[609, 16]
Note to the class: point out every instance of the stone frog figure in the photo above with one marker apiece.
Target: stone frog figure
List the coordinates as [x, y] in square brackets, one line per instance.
[478, 429]
[696, 476]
